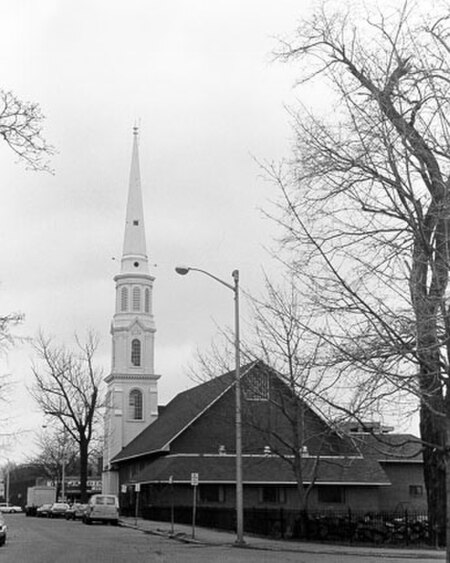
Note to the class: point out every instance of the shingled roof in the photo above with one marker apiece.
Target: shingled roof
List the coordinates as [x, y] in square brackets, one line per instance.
[179, 413]
[261, 470]
[390, 447]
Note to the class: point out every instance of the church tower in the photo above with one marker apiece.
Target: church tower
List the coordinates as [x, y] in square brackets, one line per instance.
[132, 395]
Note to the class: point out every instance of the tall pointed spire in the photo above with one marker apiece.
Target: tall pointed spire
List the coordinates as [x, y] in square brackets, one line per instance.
[134, 256]
[132, 385]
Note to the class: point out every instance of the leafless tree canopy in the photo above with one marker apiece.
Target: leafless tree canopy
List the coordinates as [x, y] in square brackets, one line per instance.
[21, 129]
[365, 205]
[66, 388]
[55, 449]
[6, 382]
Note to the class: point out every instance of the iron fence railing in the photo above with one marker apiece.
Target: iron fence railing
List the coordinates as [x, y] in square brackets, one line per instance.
[401, 527]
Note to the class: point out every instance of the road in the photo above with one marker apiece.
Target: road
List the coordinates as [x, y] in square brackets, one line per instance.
[39, 540]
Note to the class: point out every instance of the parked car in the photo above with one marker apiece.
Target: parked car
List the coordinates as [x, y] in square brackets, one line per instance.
[102, 508]
[43, 511]
[75, 511]
[11, 509]
[3, 530]
[58, 509]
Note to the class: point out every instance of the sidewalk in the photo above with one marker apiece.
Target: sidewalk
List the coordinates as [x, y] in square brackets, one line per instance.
[183, 532]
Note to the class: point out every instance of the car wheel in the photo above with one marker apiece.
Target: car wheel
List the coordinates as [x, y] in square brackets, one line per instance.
[114, 522]
[13, 511]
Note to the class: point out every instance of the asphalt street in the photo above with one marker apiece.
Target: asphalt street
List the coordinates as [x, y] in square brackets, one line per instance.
[36, 540]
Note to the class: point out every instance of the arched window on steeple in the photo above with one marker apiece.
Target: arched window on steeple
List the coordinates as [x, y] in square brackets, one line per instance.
[136, 352]
[136, 298]
[124, 299]
[135, 404]
[147, 300]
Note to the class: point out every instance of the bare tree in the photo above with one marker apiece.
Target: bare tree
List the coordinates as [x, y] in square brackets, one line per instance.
[283, 343]
[21, 129]
[66, 387]
[55, 450]
[365, 207]
[302, 415]
[6, 383]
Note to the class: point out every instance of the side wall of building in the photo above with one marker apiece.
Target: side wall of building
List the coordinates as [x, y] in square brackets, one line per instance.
[407, 490]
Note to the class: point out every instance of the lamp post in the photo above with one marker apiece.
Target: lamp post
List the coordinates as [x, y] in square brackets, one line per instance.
[238, 418]
[63, 477]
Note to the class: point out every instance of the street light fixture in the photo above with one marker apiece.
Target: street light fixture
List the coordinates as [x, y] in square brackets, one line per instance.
[183, 270]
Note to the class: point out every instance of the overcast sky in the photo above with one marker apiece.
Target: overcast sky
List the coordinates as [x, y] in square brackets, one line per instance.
[199, 78]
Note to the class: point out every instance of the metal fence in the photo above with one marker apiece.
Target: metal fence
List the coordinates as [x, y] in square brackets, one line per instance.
[402, 528]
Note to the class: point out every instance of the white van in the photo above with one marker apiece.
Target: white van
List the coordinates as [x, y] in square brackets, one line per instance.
[102, 508]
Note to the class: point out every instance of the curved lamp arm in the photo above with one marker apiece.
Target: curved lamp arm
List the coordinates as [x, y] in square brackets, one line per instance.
[183, 270]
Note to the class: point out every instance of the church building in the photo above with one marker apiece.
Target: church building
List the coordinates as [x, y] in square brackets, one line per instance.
[154, 452]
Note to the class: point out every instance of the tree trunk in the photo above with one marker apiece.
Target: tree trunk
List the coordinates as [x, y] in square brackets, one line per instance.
[83, 470]
[433, 431]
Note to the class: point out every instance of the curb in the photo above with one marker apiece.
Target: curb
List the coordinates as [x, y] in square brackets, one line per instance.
[179, 536]
[184, 538]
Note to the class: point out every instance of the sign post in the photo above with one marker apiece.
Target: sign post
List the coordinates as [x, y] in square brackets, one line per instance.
[194, 483]
[137, 490]
[172, 515]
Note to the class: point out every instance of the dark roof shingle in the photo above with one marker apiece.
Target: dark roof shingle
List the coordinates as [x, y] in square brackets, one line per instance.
[261, 469]
[176, 415]
[390, 447]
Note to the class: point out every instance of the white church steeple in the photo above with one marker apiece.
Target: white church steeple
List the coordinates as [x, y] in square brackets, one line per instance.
[134, 253]
[132, 395]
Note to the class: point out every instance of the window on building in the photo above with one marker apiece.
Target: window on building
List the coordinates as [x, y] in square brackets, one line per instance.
[272, 494]
[135, 404]
[124, 299]
[147, 300]
[212, 493]
[136, 298]
[256, 386]
[415, 490]
[136, 352]
[331, 494]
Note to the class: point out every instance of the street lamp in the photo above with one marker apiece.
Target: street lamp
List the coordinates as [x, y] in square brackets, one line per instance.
[183, 270]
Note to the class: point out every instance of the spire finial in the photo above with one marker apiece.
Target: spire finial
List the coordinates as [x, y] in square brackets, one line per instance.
[135, 129]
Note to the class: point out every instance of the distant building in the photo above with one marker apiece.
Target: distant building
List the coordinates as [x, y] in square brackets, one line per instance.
[400, 457]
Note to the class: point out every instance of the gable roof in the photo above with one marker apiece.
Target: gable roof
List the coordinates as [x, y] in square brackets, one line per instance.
[178, 414]
[186, 408]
